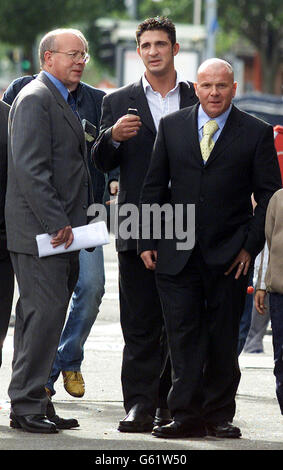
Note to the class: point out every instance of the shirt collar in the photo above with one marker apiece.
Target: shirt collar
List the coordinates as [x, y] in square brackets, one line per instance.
[221, 120]
[147, 85]
[59, 85]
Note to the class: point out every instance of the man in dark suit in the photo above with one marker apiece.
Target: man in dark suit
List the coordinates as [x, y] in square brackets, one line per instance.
[6, 269]
[215, 156]
[127, 140]
[48, 190]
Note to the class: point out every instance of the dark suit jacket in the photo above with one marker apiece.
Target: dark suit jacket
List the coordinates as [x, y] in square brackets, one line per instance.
[134, 155]
[49, 184]
[4, 113]
[243, 161]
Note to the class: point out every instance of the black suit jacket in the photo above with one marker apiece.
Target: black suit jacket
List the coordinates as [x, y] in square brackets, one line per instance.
[243, 161]
[4, 113]
[133, 156]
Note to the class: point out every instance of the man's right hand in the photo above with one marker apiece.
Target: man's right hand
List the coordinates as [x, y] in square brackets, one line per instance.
[149, 258]
[126, 127]
[259, 301]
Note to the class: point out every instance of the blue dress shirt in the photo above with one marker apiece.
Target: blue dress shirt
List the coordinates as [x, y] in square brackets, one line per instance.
[203, 118]
[59, 85]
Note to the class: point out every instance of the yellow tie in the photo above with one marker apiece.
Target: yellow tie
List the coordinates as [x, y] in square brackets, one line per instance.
[206, 143]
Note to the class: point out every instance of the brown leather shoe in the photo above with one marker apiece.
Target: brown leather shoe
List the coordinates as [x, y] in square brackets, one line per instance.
[74, 383]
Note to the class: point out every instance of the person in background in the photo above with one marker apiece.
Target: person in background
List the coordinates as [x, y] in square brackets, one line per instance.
[6, 268]
[259, 323]
[272, 274]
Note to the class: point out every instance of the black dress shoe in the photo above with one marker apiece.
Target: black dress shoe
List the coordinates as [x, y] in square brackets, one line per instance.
[177, 429]
[223, 429]
[61, 423]
[162, 417]
[33, 423]
[137, 420]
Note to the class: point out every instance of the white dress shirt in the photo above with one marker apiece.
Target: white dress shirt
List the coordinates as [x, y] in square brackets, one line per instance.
[158, 105]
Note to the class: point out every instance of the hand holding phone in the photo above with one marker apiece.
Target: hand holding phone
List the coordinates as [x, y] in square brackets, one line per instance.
[127, 126]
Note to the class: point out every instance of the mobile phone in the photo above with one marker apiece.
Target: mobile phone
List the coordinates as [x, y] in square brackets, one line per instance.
[132, 111]
[89, 130]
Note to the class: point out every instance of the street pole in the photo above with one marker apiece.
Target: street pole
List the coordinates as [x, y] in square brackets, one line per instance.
[132, 7]
[211, 27]
[197, 11]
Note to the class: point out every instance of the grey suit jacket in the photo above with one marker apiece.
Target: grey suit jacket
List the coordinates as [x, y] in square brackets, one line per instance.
[48, 179]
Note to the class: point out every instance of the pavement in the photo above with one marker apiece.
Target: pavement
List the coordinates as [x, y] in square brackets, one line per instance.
[97, 440]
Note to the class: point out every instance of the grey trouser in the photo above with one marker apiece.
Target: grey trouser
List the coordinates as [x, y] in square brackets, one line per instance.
[45, 287]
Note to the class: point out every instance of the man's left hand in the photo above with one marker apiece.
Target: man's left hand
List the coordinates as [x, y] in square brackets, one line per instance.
[243, 261]
[65, 235]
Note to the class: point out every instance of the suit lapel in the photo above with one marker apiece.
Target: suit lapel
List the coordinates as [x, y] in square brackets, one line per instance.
[139, 101]
[230, 132]
[187, 95]
[191, 138]
[68, 113]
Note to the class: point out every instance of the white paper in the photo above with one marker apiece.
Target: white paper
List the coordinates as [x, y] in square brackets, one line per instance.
[86, 236]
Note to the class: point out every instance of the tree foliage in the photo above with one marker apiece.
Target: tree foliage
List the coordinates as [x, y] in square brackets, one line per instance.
[261, 22]
[180, 11]
[21, 21]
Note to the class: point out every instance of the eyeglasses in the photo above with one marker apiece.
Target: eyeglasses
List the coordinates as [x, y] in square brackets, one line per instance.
[76, 56]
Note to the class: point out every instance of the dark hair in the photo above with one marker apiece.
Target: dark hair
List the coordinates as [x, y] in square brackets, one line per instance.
[159, 23]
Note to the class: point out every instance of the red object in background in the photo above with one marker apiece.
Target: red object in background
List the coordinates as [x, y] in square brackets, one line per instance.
[278, 141]
[250, 290]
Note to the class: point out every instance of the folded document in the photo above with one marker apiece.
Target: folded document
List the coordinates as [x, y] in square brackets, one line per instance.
[86, 236]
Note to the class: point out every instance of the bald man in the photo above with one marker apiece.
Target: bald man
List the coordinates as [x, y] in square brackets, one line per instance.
[216, 157]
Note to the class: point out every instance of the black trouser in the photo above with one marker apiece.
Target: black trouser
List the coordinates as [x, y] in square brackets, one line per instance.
[6, 296]
[145, 352]
[202, 309]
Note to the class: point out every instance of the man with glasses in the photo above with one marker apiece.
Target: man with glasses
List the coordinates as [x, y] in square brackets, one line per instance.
[48, 190]
[89, 289]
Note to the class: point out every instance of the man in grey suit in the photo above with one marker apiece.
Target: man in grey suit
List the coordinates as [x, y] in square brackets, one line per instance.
[48, 190]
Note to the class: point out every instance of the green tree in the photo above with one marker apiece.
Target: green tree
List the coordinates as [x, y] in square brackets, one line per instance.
[261, 22]
[21, 21]
[178, 11]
